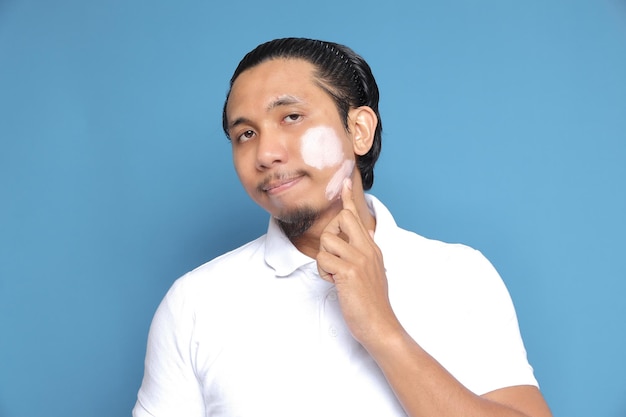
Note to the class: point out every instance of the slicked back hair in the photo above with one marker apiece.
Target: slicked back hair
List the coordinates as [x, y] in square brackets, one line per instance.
[342, 73]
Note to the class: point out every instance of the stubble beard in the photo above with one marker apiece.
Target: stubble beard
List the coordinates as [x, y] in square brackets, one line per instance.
[296, 223]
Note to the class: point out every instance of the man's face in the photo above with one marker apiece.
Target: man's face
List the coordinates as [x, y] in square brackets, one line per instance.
[290, 148]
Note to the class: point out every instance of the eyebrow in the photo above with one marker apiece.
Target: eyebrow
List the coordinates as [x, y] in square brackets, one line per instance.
[284, 100]
[238, 121]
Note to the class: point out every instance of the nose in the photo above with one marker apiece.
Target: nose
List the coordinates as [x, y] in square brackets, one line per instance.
[271, 150]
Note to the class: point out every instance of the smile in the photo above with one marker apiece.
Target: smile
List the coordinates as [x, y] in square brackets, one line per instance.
[278, 186]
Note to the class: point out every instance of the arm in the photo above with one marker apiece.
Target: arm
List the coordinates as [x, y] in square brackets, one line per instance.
[425, 388]
[349, 257]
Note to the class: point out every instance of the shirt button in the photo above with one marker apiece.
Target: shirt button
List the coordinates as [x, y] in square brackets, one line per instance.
[332, 296]
[332, 331]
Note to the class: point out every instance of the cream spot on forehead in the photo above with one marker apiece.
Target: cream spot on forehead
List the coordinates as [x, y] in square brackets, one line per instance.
[321, 147]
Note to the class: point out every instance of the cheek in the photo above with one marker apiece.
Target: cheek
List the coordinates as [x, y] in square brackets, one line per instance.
[321, 147]
[333, 189]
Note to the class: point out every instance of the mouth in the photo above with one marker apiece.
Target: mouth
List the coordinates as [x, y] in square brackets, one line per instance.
[275, 186]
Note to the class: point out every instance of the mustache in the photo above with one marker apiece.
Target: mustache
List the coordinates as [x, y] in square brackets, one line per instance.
[277, 178]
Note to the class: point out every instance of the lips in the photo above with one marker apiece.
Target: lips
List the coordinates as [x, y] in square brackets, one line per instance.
[277, 185]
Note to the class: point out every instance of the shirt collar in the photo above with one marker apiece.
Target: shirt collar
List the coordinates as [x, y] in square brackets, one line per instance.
[385, 223]
[282, 256]
[280, 253]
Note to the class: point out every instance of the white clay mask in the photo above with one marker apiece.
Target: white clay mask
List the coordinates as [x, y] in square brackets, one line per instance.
[322, 148]
[333, 189]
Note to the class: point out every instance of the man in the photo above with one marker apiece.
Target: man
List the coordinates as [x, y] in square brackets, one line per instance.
[335, 311]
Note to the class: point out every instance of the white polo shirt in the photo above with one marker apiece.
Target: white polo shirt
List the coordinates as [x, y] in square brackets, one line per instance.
[257, 332]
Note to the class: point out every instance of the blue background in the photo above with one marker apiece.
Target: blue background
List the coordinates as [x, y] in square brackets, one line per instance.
[505, 128]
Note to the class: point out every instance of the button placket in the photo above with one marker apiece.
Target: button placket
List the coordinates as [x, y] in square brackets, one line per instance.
[332, 331]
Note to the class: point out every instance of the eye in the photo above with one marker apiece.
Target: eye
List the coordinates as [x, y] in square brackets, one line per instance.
[246, 136]
[292, 118]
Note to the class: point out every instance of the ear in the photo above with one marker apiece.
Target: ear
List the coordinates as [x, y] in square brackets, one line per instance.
[362, 123]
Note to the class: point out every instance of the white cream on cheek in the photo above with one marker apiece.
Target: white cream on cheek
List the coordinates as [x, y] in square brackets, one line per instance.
[333, 189]
[322, 148]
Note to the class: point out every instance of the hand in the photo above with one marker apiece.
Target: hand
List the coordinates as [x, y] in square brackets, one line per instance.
[350, 259]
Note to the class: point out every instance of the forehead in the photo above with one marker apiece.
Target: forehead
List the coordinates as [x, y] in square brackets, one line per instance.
[272, 79]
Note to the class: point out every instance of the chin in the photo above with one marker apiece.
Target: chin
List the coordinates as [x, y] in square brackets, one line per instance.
[297, 221]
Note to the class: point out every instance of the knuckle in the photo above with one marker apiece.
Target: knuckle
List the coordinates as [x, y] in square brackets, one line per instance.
[325, 236]
[345, 214]
[353, 270]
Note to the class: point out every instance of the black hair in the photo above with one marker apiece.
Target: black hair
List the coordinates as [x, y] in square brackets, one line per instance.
[339, 71]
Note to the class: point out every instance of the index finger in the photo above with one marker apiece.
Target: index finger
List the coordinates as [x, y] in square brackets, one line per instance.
[341, 224]
[347, 198]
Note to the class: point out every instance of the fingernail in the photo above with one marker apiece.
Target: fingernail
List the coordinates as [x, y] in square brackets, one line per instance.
[348, 183]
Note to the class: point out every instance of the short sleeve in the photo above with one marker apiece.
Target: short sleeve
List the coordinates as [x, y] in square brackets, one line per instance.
[170, 387]
[455, 305]
[493, 346]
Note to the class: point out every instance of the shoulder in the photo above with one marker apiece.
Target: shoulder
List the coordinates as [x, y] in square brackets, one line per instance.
[405, 247]
[219, 274]
[410, 254]
[232, 260]
[423, 270]
[401, 245]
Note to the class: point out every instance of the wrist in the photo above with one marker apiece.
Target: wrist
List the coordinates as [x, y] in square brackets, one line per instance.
[385, 337]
